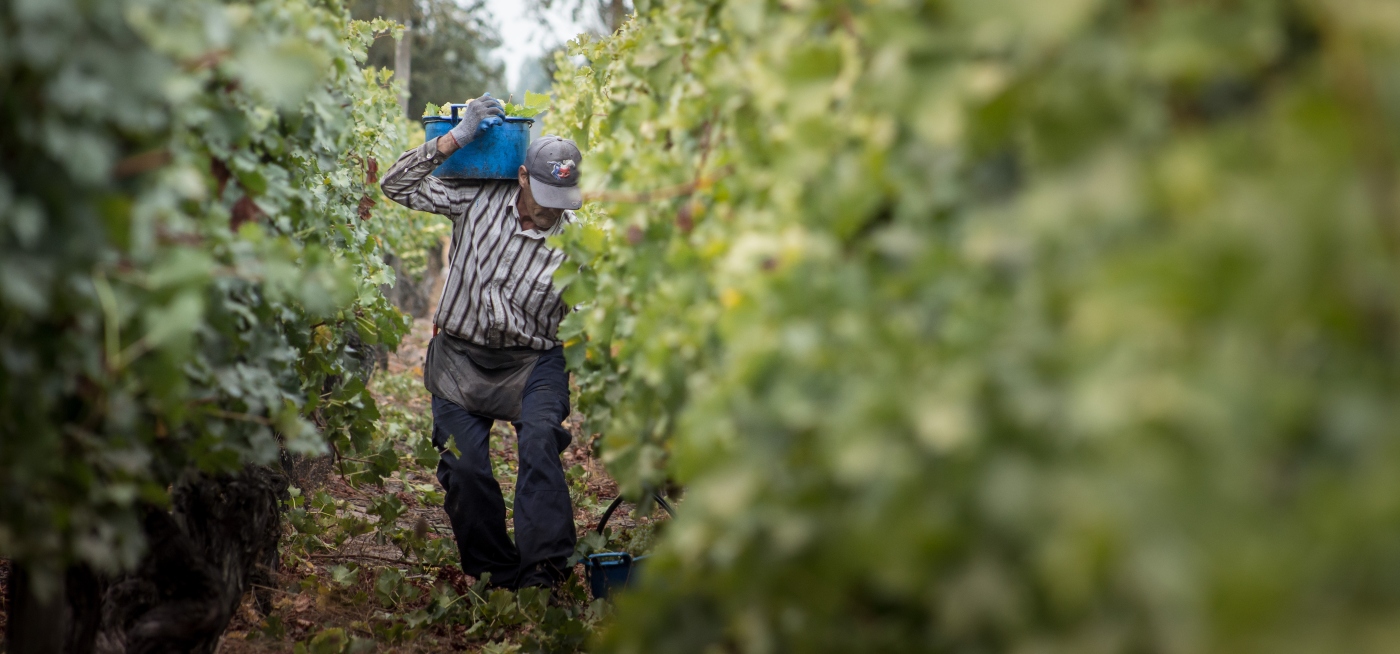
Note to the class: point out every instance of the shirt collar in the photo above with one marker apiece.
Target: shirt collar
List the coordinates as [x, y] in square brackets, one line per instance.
[536, 234]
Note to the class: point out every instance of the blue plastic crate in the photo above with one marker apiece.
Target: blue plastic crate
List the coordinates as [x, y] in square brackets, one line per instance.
[609, 571]
[496, 154]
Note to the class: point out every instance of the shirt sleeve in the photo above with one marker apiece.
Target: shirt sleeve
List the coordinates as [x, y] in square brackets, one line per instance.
[409, 182]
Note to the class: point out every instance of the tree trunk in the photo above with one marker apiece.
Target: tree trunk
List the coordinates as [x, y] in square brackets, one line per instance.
[617, 15]
[413, 296]
[65, 622]
[218, 540]
[403, 65]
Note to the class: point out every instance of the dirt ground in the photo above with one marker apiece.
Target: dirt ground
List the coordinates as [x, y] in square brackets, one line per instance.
[304, 613]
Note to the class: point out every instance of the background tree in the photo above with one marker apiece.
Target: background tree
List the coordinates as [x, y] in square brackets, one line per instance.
[449, 44]
[603, 16]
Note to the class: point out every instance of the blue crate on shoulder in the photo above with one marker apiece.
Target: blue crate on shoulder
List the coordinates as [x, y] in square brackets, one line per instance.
[497, 154]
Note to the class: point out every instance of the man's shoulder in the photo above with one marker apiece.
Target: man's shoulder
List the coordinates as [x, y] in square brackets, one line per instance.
[478, 183]
[498, 191]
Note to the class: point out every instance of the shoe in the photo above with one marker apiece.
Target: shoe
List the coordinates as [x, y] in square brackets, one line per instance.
[543, 574]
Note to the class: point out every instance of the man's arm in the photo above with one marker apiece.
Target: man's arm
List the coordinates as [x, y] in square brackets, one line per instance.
[409, 181]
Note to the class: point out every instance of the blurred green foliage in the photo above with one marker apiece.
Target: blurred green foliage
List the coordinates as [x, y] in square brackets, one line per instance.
[188, 275]
[997, 325]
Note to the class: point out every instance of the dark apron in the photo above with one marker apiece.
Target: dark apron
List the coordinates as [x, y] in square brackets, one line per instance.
[484, 381]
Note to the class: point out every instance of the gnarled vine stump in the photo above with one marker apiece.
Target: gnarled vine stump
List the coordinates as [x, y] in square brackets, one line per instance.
[217, 541]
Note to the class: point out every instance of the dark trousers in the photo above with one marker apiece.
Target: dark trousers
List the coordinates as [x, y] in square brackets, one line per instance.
[544, 517]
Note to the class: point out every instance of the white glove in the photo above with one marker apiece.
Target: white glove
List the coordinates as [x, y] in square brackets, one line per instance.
[478, 116]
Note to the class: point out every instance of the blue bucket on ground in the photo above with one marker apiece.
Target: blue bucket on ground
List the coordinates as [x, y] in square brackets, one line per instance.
[497, 154]
[609, 571]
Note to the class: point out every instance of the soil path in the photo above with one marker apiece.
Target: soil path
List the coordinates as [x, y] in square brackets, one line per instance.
[302, 606]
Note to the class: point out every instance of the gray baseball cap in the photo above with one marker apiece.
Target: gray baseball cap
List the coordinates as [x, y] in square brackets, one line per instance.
[553, 166]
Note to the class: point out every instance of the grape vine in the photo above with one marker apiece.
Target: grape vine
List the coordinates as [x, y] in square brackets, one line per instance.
[188, 279]
[996, 326]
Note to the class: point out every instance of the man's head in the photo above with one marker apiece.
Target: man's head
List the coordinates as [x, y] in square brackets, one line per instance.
[549, 180]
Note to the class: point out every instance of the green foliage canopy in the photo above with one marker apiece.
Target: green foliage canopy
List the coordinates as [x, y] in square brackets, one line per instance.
[997, 325]
[186, 276]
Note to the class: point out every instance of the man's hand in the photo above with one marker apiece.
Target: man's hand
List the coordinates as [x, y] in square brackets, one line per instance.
[474, 123]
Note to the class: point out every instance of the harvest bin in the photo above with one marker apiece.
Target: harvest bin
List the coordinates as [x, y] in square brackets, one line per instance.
[608, 571]
[497, 154]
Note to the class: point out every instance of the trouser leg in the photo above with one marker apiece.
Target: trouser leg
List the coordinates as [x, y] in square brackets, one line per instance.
[544, 516]
[474, 503]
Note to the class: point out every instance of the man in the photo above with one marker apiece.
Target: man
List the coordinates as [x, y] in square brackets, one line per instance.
[497, 354]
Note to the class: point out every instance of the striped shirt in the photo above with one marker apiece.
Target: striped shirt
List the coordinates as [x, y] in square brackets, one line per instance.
[500, 282]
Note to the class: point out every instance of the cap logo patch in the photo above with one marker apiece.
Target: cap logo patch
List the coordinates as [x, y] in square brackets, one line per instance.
[563, 169]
